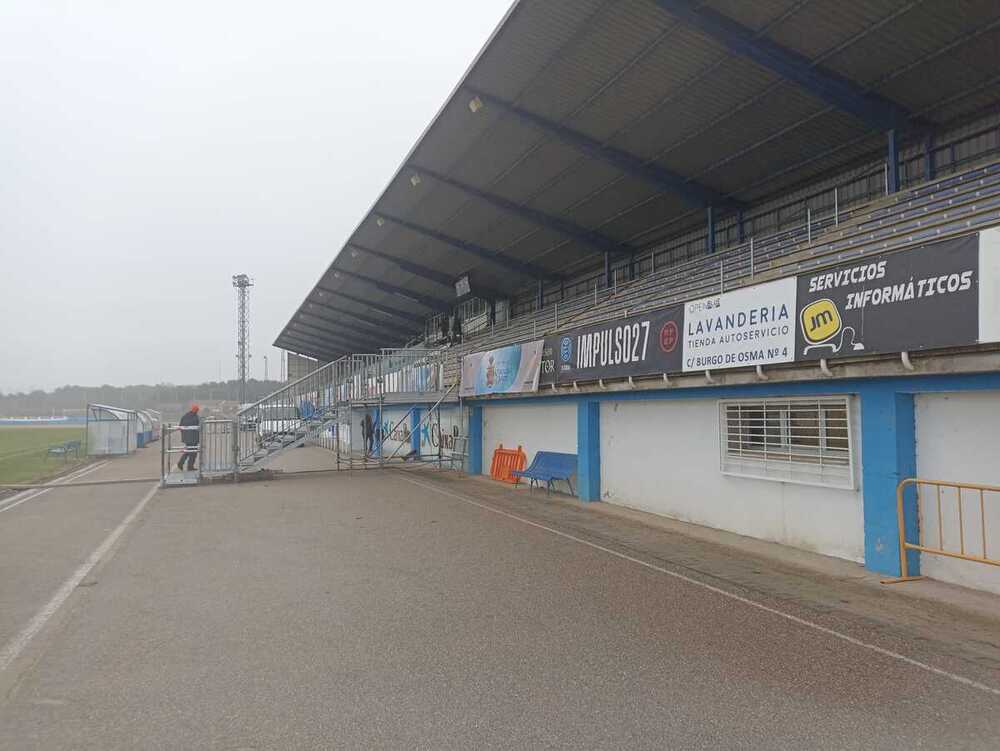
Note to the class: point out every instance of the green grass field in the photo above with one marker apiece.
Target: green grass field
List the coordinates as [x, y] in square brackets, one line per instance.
[23, 456]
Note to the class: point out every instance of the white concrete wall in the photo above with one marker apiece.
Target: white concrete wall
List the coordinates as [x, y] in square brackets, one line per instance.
[957, 440]
[663, 457]
[546, 427]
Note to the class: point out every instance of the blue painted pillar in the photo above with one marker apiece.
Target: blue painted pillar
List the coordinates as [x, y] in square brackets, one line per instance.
[888, 455]
[929, 157]
[711, 229]
[415, 416]
[588, 451]
[607, 270]
[540, 295]
[892, 162]
[740, 233]
[475, 440]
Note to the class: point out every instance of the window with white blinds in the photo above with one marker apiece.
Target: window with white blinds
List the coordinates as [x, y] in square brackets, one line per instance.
[793, 440]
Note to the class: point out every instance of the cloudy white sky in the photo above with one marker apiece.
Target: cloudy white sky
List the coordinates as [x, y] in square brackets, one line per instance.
[149, 150]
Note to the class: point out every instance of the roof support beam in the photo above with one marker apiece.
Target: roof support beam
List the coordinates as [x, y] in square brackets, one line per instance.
[380, 323]
[693, 193]
[434, 303]
[414, 268]
[333, 344]
[353, 338]
[388, 310]
[877, 112]
[600, 243]
[512, 264]
[386, 329]
[303, 347]
[338, 336]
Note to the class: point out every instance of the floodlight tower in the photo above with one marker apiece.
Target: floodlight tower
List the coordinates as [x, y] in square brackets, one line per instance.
[242, 283]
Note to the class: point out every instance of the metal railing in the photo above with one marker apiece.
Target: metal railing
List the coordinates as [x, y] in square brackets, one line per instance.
[305, 409]
[973, 545]
[172, 447]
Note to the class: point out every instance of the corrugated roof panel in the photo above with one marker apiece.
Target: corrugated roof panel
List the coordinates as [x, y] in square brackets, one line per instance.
[604, 46]
[914, 36]
[680, 57]
[967, 105]
[509, 141]
[399, 198]
[456, 132]
[437, 202]
[530, 39]
[697, 108]
[794, 146]
[577, 182]
[554, 251]
[775, 112]
[486, 225]
[815, 163]
[755, 15]
[533, 174]
[602, 206]
[658, 210]
[974, 64]
[821, 26]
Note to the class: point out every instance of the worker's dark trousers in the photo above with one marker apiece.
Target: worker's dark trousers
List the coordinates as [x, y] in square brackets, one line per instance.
[189, 455]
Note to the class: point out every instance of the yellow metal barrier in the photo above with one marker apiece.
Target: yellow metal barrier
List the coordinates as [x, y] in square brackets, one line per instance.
[925, 546]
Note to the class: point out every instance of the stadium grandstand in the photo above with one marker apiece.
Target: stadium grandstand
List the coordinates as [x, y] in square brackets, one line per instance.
[741, 259]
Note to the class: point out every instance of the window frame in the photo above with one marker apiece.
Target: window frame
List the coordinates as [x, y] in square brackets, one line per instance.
[777, 421]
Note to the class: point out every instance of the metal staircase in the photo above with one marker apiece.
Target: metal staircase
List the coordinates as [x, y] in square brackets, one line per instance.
[320, 405]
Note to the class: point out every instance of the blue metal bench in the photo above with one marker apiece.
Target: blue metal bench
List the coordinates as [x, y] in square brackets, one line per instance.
[549, 466]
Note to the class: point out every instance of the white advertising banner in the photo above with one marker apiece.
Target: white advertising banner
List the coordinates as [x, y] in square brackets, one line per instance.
[751, 326]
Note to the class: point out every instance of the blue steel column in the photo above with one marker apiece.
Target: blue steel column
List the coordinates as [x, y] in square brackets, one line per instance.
[711, 229]
[415, 417]
[929, 157]
[475, 440]
[888, 455]
[588, 451]
[892, 159]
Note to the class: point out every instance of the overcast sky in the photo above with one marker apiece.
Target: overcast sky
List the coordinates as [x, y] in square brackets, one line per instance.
[150, 149]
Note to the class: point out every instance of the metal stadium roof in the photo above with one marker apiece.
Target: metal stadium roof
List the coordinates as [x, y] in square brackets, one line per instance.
[593, 126]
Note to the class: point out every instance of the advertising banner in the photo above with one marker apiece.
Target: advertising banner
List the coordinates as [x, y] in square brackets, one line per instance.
[646, 344]
[945, 294]
[507, 370]
[751, 326]
[916, 299]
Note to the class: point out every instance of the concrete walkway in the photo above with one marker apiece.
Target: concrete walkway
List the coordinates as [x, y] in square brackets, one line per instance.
[408, 609]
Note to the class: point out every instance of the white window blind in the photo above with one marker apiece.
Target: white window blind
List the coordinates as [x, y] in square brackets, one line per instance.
[793, 440]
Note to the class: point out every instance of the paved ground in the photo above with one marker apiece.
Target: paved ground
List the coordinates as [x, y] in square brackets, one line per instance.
[403, 609]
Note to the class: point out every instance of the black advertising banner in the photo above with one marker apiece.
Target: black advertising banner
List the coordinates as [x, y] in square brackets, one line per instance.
[911, 300]
[640, 345]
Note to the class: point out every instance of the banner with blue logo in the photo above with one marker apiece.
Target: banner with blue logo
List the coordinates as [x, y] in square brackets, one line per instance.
[646, 344]
[506, 370]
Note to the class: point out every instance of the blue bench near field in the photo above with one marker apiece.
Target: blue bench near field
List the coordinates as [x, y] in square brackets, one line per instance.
[64, 449]
[549, 466]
